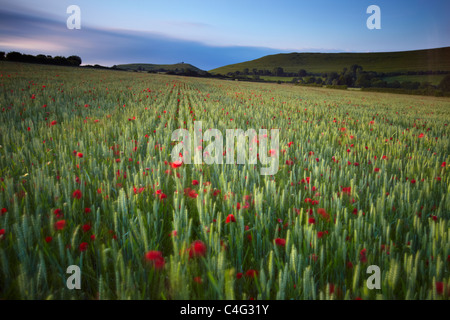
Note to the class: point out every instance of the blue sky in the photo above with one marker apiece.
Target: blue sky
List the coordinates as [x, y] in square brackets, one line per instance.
[213, 33]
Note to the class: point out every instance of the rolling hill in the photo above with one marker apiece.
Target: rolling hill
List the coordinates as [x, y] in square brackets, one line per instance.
[418, 60]
[178, 67]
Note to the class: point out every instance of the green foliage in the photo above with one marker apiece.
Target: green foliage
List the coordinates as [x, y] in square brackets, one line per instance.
[444, 85]
[178, 67]
[42, 59]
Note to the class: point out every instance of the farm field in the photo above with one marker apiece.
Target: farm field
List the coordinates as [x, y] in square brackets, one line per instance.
[86, 179]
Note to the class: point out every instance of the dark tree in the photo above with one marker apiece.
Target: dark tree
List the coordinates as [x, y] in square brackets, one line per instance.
[355, 69]
[302, 73]
[60, 60]
[40, 58]
[348, 80]
[311, 79]
[331, 77]
[74, 60]
[445, 84]
[2, 55]
[278, 71]
[363, 81]
[14, 56]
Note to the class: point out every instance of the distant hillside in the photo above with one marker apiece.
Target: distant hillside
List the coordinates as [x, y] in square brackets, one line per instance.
[419, 60]
[177, 68]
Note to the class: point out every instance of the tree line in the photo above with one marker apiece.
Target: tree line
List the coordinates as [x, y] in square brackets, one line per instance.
[353, 76]
[41, 59]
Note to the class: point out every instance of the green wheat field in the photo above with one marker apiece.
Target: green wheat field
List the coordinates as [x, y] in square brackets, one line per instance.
[86, 179]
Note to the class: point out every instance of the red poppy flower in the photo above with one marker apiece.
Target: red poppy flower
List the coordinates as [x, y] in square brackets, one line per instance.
[313, 257]
[77, 194]
[4, 210]
[421, 135]
[87, 210]
[323, 214]
[230, 218]
[86, 227]
[162, 196]
[346, 190]
[363, 257]
[2, 232]
[320, 234]
[80, 155]
[311, 220]
[193, 194]
[439, 288]
[156, 259]
[198, 280]
[58, 213]
[48, 239]
[83, 246]
[280, 242]
[251, 273]
[60, 224]
[194, 182]
[176, 164]
[239, 275]
[443, 164]
[197, 249]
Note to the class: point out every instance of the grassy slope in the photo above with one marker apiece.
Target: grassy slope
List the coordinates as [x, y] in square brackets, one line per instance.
[150, 67]
[420, 60]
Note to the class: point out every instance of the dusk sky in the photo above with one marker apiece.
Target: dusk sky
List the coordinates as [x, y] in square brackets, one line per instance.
[210, 34]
